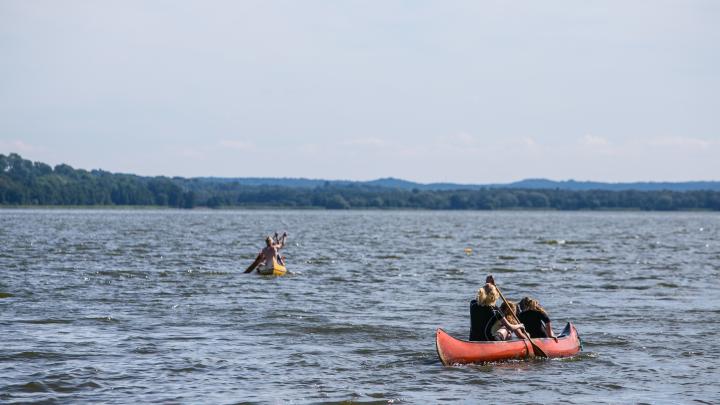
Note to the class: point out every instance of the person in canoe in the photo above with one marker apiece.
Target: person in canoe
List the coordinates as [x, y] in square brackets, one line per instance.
[484, 315]
[499, 330]
[535, 318]
[269, 255]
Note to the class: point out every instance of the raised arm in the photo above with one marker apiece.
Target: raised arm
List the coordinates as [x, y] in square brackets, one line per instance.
[281, 242]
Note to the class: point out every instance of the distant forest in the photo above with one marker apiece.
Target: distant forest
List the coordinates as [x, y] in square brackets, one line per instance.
[27, 183]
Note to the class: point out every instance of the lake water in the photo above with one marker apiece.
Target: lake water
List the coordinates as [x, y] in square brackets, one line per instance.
[152, 306]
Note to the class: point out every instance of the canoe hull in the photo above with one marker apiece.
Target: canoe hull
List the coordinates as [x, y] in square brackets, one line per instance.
[456, 351]
[277, 270]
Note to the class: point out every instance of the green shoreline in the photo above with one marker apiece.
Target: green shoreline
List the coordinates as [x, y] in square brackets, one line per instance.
[37, 185]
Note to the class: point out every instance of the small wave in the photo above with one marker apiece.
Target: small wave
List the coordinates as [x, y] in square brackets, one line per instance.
[564, 242]
[395, 257]
[482, 367]
[357, 398]
[378, 332]
[365, 351]
[551, 242]
[149, 349]
[642, 278]
[599, 259]
[33, 356]
[667, 285]
[338, 279]
[528, 284]
[182, 338]
[33, 387]
[69, 388]
[102, 319]
[321, 261]
[692, 354]
[582, 356]
[613, 343]
[330, 329]
[188, 369]
[625, 287]
[210, 273]
[609, 386]
[123, 273]
[502, 270]
[45, 321]
[502, 257]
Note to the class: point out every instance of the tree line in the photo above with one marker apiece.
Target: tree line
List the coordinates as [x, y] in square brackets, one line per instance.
[23, 182]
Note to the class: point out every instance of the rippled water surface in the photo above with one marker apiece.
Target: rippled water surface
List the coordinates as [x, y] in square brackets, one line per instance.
[143, 306]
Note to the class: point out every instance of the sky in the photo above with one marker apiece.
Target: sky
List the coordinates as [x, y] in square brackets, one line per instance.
[428, 91]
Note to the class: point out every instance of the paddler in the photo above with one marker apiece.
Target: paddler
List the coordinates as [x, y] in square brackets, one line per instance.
[536, 319]
[484, 315]
[269, 254]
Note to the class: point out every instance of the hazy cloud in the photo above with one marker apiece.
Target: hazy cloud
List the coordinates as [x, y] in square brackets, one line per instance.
[682, 142]
[366, 142]
[592, 140]
[236, 145]
[197, 153]
[16, 146]
[529, 142]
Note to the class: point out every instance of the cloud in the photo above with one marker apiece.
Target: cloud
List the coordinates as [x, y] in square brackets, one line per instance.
[462, 138]
[189, 152]
[16, 146]
[515, 144]
[205, 152]
[236, 144]
[529, 142]
[681, 142]
[309, 149]
[367, 142]
[592, 140]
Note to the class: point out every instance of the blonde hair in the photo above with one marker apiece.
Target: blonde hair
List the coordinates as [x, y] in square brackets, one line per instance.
[487, 295]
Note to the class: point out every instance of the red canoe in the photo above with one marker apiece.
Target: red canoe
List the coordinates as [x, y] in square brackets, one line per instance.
[456, 351]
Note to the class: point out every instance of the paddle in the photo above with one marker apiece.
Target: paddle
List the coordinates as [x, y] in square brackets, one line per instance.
[254, 264]
[538, 351]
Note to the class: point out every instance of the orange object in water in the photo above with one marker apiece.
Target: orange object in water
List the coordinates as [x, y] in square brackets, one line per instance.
[455, 351]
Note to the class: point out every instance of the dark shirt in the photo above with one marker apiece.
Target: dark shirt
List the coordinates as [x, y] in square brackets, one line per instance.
[534, 322]
[482, 319]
